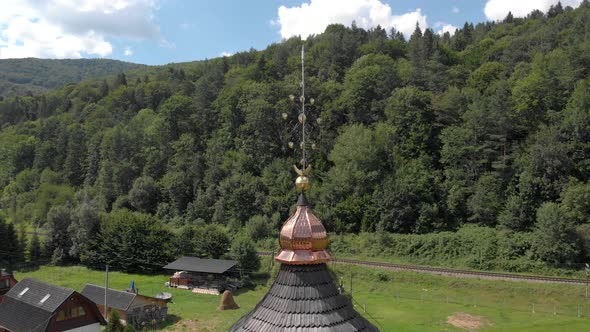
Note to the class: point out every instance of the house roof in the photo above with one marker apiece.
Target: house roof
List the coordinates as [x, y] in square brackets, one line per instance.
[115, 299]
[30, 305]
[20, 316]
[195, 264]
[39, 294]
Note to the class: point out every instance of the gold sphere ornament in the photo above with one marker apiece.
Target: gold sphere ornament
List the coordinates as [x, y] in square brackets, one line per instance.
[302, 118]
[284, 116]
[291, 145]
[312, 101]
[302, 183]
[313, 146]
[292, 97]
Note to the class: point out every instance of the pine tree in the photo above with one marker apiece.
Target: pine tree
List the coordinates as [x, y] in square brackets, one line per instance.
[3, 239]
[120, 80]
[114, 324]
[34, 249]
[11, 253]
[509, 18]
[104, 88]
[555, 10]
[418, 57]
[22, 242]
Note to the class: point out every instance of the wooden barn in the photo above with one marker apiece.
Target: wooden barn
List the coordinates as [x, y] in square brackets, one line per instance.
[136, 310]
[203, 273]
[35, 306]
[7, 281]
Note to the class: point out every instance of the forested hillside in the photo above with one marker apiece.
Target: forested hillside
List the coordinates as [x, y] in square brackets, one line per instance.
[486, 132]
[21, 77]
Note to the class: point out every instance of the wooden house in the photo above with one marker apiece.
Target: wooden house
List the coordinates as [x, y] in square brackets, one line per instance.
[35, 306]
[7, 281]
[136, 310]
[194, 272]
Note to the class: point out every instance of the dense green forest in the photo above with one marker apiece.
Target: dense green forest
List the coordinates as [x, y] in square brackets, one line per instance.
[22, 77]
[431, 145]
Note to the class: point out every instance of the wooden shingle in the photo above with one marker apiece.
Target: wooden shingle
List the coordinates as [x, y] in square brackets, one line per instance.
[303, 298]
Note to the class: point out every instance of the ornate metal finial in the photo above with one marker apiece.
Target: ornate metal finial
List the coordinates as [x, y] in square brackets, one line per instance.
[302, 182]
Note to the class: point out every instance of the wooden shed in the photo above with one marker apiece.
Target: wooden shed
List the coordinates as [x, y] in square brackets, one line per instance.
[194, 272]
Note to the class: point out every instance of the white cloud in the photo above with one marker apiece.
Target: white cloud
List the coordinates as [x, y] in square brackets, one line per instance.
[498, 9]
[225, 54]
[442, 28]
[455, 10]
[72, 29]
[128, 51]
[313, 17]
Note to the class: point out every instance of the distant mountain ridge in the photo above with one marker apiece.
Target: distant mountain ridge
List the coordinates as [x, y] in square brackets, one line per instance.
[19, 77]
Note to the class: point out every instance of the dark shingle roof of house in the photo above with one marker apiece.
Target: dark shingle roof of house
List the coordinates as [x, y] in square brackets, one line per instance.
[195, 264]
[19, 316]
[30, 304]
[115, 299]
[303, 298]
[36, 291]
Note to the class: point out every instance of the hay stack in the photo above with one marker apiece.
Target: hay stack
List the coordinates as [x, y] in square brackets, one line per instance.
[227, 302]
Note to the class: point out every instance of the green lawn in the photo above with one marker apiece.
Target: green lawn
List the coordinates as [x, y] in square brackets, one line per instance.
[399, 301]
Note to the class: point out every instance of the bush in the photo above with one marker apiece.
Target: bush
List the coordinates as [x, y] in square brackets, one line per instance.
[555, 241]
[244, 251]
[114, 324]
[258, 227]
[382, 276]
[471, 246]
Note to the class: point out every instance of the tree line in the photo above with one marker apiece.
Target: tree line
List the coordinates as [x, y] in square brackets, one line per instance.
[420, 134]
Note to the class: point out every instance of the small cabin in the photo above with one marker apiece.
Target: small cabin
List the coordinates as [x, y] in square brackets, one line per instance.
[203, 273]
[7, 281]
[32, 305]
[133, 309]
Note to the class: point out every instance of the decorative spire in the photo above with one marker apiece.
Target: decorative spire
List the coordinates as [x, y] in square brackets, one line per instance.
[303, 183]
[303, 238]
[303, 297]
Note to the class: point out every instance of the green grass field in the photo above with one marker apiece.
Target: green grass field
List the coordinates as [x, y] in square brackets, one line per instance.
[395, 301]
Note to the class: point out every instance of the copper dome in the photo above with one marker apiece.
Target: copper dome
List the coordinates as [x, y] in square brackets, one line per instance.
[303, 238]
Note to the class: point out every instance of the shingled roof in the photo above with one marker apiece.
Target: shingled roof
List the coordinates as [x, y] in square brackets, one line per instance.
[195, 264]
[303, 298]
[30, 305]
[115, 299]
[20, 316]
[32, 291]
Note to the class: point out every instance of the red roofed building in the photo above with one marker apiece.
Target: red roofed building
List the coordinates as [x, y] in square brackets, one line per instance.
[7, 281]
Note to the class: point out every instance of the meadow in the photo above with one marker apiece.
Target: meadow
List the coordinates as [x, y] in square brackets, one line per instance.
[394, 301]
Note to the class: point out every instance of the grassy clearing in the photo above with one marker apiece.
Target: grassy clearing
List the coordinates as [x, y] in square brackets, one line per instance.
[419, 302]
[399, 301]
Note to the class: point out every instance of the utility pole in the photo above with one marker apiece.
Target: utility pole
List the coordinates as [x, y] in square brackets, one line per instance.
[587, 277]
[351, 285]
[106, 288]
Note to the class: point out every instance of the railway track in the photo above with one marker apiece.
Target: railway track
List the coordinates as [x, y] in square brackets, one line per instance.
[453, 272]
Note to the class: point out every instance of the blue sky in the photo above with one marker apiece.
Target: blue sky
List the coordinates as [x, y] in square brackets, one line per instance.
[164, 31]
